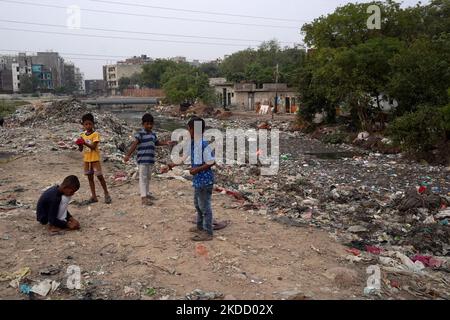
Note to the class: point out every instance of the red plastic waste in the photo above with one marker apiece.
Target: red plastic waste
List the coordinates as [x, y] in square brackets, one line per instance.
[353, 251]
[235, 194]
[373, 249]
[422, 189]
[201, 250]
[428, 261]
[395, 284]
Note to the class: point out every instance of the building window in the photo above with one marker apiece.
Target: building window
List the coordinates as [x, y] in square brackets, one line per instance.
[17, 69]
[232, 94]
[18, 77]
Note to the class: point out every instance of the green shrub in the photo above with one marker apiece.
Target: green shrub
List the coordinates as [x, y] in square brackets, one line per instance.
[419, 131]
[8, 107]
[335, 138]
[446, 118]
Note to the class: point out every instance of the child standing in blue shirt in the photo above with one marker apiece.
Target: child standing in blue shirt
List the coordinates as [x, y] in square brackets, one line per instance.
[202, 160]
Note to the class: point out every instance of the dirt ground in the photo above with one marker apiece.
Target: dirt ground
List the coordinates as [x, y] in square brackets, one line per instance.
[126, 251]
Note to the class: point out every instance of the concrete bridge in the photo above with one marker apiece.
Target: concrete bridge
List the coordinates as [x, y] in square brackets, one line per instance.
[99, 102]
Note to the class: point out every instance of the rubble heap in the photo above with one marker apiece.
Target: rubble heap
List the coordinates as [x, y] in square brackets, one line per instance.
[55, 126]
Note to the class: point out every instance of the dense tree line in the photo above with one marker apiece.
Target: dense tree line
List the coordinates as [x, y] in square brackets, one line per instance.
[352, 67]
[259, 65]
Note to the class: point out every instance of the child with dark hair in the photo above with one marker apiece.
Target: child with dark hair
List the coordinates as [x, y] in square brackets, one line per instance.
[89, 144]
[145, 143]
[53, 203]
[202, 160]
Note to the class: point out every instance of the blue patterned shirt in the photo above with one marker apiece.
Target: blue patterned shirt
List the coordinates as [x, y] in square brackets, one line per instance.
[198, 158]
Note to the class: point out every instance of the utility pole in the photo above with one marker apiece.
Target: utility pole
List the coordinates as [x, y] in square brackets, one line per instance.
[196, 88]
[276, 92]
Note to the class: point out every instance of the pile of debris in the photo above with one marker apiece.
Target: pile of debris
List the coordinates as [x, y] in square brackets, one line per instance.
[196, 110]
[388, 211]
[364, 199]
[55, 126]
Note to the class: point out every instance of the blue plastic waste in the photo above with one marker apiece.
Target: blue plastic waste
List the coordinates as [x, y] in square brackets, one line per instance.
[24, 288]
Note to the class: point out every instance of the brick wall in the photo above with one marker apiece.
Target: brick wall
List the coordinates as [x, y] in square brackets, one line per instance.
[144, 92]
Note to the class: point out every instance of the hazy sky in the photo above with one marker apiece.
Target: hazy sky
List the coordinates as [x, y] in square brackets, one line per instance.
[90, 53]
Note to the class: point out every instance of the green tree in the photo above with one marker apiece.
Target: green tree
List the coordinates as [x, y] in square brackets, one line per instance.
[183, 82]
[136, 79]
[234, 66]
[421, 73]
[259, 65]
[351, 66]
[211, 69]
[126, 82]
[28, 83]
[352, 77]
[347, 26]
[153, 72]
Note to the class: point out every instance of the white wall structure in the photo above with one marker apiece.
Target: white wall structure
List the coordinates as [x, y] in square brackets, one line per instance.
[114, 72]
[15, 76]
[386, 103]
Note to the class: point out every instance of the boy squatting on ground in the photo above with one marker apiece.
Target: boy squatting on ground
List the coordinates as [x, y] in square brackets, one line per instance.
[145, 142]
[89, 144]
[203, 181]
[53, 203]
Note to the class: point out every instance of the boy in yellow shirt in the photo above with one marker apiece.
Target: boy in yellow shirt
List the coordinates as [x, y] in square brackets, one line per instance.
[88, 143]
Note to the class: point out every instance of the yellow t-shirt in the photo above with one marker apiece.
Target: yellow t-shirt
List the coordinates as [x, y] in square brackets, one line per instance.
[90, 155]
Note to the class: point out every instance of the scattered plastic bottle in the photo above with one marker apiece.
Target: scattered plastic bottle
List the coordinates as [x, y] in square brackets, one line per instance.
[436, 190]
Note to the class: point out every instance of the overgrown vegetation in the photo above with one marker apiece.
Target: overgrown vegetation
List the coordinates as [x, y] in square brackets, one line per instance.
[358, 70]
[420, 131]
[259, 65]
[180, 81]
[335, 138]
[8, 107]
